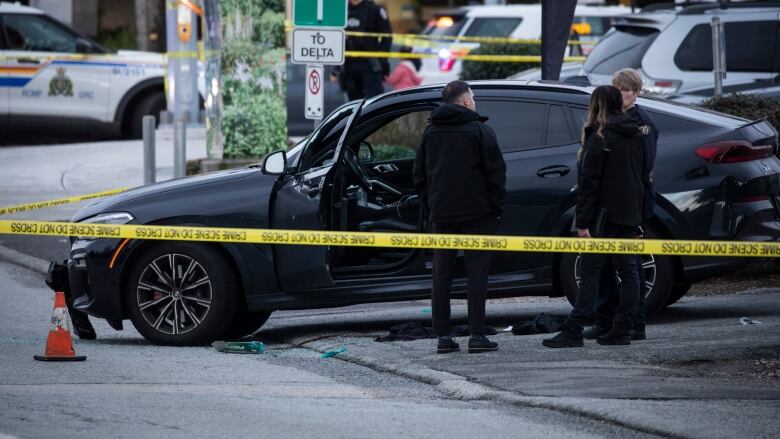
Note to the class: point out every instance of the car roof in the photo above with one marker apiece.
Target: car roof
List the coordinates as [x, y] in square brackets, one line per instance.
[510, 11]
[18, 8]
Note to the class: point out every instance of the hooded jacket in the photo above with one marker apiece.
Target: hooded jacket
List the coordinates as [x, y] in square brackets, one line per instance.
[459, 171]
[615, 173]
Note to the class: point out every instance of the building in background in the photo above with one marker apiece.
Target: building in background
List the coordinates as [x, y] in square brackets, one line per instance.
[117, 24]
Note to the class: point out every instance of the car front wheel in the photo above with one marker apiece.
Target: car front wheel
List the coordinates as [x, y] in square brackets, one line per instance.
[181, 294]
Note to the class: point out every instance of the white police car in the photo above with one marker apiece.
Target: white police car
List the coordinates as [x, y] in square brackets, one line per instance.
[51, 75]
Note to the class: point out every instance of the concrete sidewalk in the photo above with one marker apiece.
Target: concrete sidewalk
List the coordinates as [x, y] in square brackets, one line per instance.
[39, 173]
[700, 374]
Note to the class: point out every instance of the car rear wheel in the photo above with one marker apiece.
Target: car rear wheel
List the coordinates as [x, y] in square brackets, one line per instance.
[659, 277]
[181, 294]
[678, 291]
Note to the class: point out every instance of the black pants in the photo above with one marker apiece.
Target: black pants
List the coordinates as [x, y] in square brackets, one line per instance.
[590, 276]
[609, 296]
[363, 79]
[477, 270]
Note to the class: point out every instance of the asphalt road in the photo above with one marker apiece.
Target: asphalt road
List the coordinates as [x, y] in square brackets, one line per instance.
[129, 388]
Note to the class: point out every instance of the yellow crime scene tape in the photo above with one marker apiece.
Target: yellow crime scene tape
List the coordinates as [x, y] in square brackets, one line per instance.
[51, 203]
[395, 240]
[483, 58]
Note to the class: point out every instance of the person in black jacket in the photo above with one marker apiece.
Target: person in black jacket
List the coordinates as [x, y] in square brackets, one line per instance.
[460, 175]
[613, 181]
[363, 77]
[629, 83]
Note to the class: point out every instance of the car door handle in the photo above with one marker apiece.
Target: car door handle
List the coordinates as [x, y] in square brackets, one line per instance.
[553, 171]
[385, 168]
[28, 61]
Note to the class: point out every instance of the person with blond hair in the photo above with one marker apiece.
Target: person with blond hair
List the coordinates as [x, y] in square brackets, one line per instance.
[629, 83]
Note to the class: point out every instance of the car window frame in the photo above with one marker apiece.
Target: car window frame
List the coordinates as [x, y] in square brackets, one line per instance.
[519, 22]
[543, 141]
[569, 124]
[695, 28]
[312, 137]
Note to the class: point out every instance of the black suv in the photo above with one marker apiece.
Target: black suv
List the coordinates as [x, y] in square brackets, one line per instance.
[717, 177]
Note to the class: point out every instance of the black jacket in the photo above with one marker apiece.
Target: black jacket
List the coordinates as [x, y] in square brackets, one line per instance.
[651, 142]
[459, 171]
[615, 174]
[372, 18]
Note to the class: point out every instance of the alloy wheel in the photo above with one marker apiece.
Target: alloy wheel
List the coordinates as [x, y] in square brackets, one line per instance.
[174, 294]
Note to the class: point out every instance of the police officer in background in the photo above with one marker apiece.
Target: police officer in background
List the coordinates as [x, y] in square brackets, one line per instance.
[362, 77]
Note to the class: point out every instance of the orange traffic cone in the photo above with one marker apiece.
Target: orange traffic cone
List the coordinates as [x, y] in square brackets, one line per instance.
[59, 345]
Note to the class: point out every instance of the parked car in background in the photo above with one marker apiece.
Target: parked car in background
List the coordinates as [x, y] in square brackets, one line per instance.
[568, 70]
[52, 78]
[767, 89]
[513, 21]
[716, 177]
[672, 48]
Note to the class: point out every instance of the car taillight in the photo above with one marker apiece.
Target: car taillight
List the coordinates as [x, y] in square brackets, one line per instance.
[753, 198]
[662, 87]
[733, 151]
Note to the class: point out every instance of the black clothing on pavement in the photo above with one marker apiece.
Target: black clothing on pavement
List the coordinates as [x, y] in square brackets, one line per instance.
[362, 77]
[459, 171]
[615, 174]
[416, 331]
[477, 269]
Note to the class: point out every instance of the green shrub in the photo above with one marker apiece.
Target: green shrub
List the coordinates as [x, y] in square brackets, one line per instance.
[254, 125]
[117, 39]
[473, 70]
[749, 106]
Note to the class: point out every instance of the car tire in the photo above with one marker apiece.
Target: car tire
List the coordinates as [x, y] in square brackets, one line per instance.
[181, 294]
[246, 323]
[678, 291]
[659, 271]
[151, 104]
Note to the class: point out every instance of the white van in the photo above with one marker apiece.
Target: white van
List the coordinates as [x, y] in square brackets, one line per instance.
[514, 21]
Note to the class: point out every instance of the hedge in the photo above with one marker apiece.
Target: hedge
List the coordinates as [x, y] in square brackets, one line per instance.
[473, 70]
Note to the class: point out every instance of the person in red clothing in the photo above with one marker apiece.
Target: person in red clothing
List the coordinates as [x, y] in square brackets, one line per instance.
[405, 73]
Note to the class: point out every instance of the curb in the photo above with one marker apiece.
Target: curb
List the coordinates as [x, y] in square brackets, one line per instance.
[459, 387]
[12, 256]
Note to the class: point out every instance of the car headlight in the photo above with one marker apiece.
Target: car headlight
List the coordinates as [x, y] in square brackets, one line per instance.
[113, 218]
[110, 218]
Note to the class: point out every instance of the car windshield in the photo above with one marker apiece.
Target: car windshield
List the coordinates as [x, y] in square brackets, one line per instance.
[492, 27]
[623, 47]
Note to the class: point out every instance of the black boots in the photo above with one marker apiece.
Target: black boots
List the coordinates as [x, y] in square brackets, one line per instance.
[616, 336]
[569, 337]
[480, 343]
[447, 345]
[593, 332]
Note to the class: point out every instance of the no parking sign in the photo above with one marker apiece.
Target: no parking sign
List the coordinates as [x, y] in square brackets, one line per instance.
[315, 102]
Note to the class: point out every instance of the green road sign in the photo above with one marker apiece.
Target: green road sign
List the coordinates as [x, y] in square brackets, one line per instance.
[320, 13]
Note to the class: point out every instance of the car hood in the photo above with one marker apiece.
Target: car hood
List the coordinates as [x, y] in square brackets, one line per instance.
[117, 203]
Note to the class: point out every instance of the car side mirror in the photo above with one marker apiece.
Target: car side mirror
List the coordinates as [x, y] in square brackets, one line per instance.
[275, 163]
[365, 152]
[83, 46]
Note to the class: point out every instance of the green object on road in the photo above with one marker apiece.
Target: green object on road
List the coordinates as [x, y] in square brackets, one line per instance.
[333, 353]
[239, 347]
[426, 311]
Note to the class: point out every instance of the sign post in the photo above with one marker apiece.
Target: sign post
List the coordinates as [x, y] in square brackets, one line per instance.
[318, 39]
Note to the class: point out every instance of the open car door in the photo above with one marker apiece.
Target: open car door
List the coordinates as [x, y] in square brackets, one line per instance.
[300, 203]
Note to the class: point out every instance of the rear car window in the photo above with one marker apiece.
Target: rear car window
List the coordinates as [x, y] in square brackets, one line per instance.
[623, 47]
[492, 27]
[517, 124]
[748, 45]
[557, 127]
